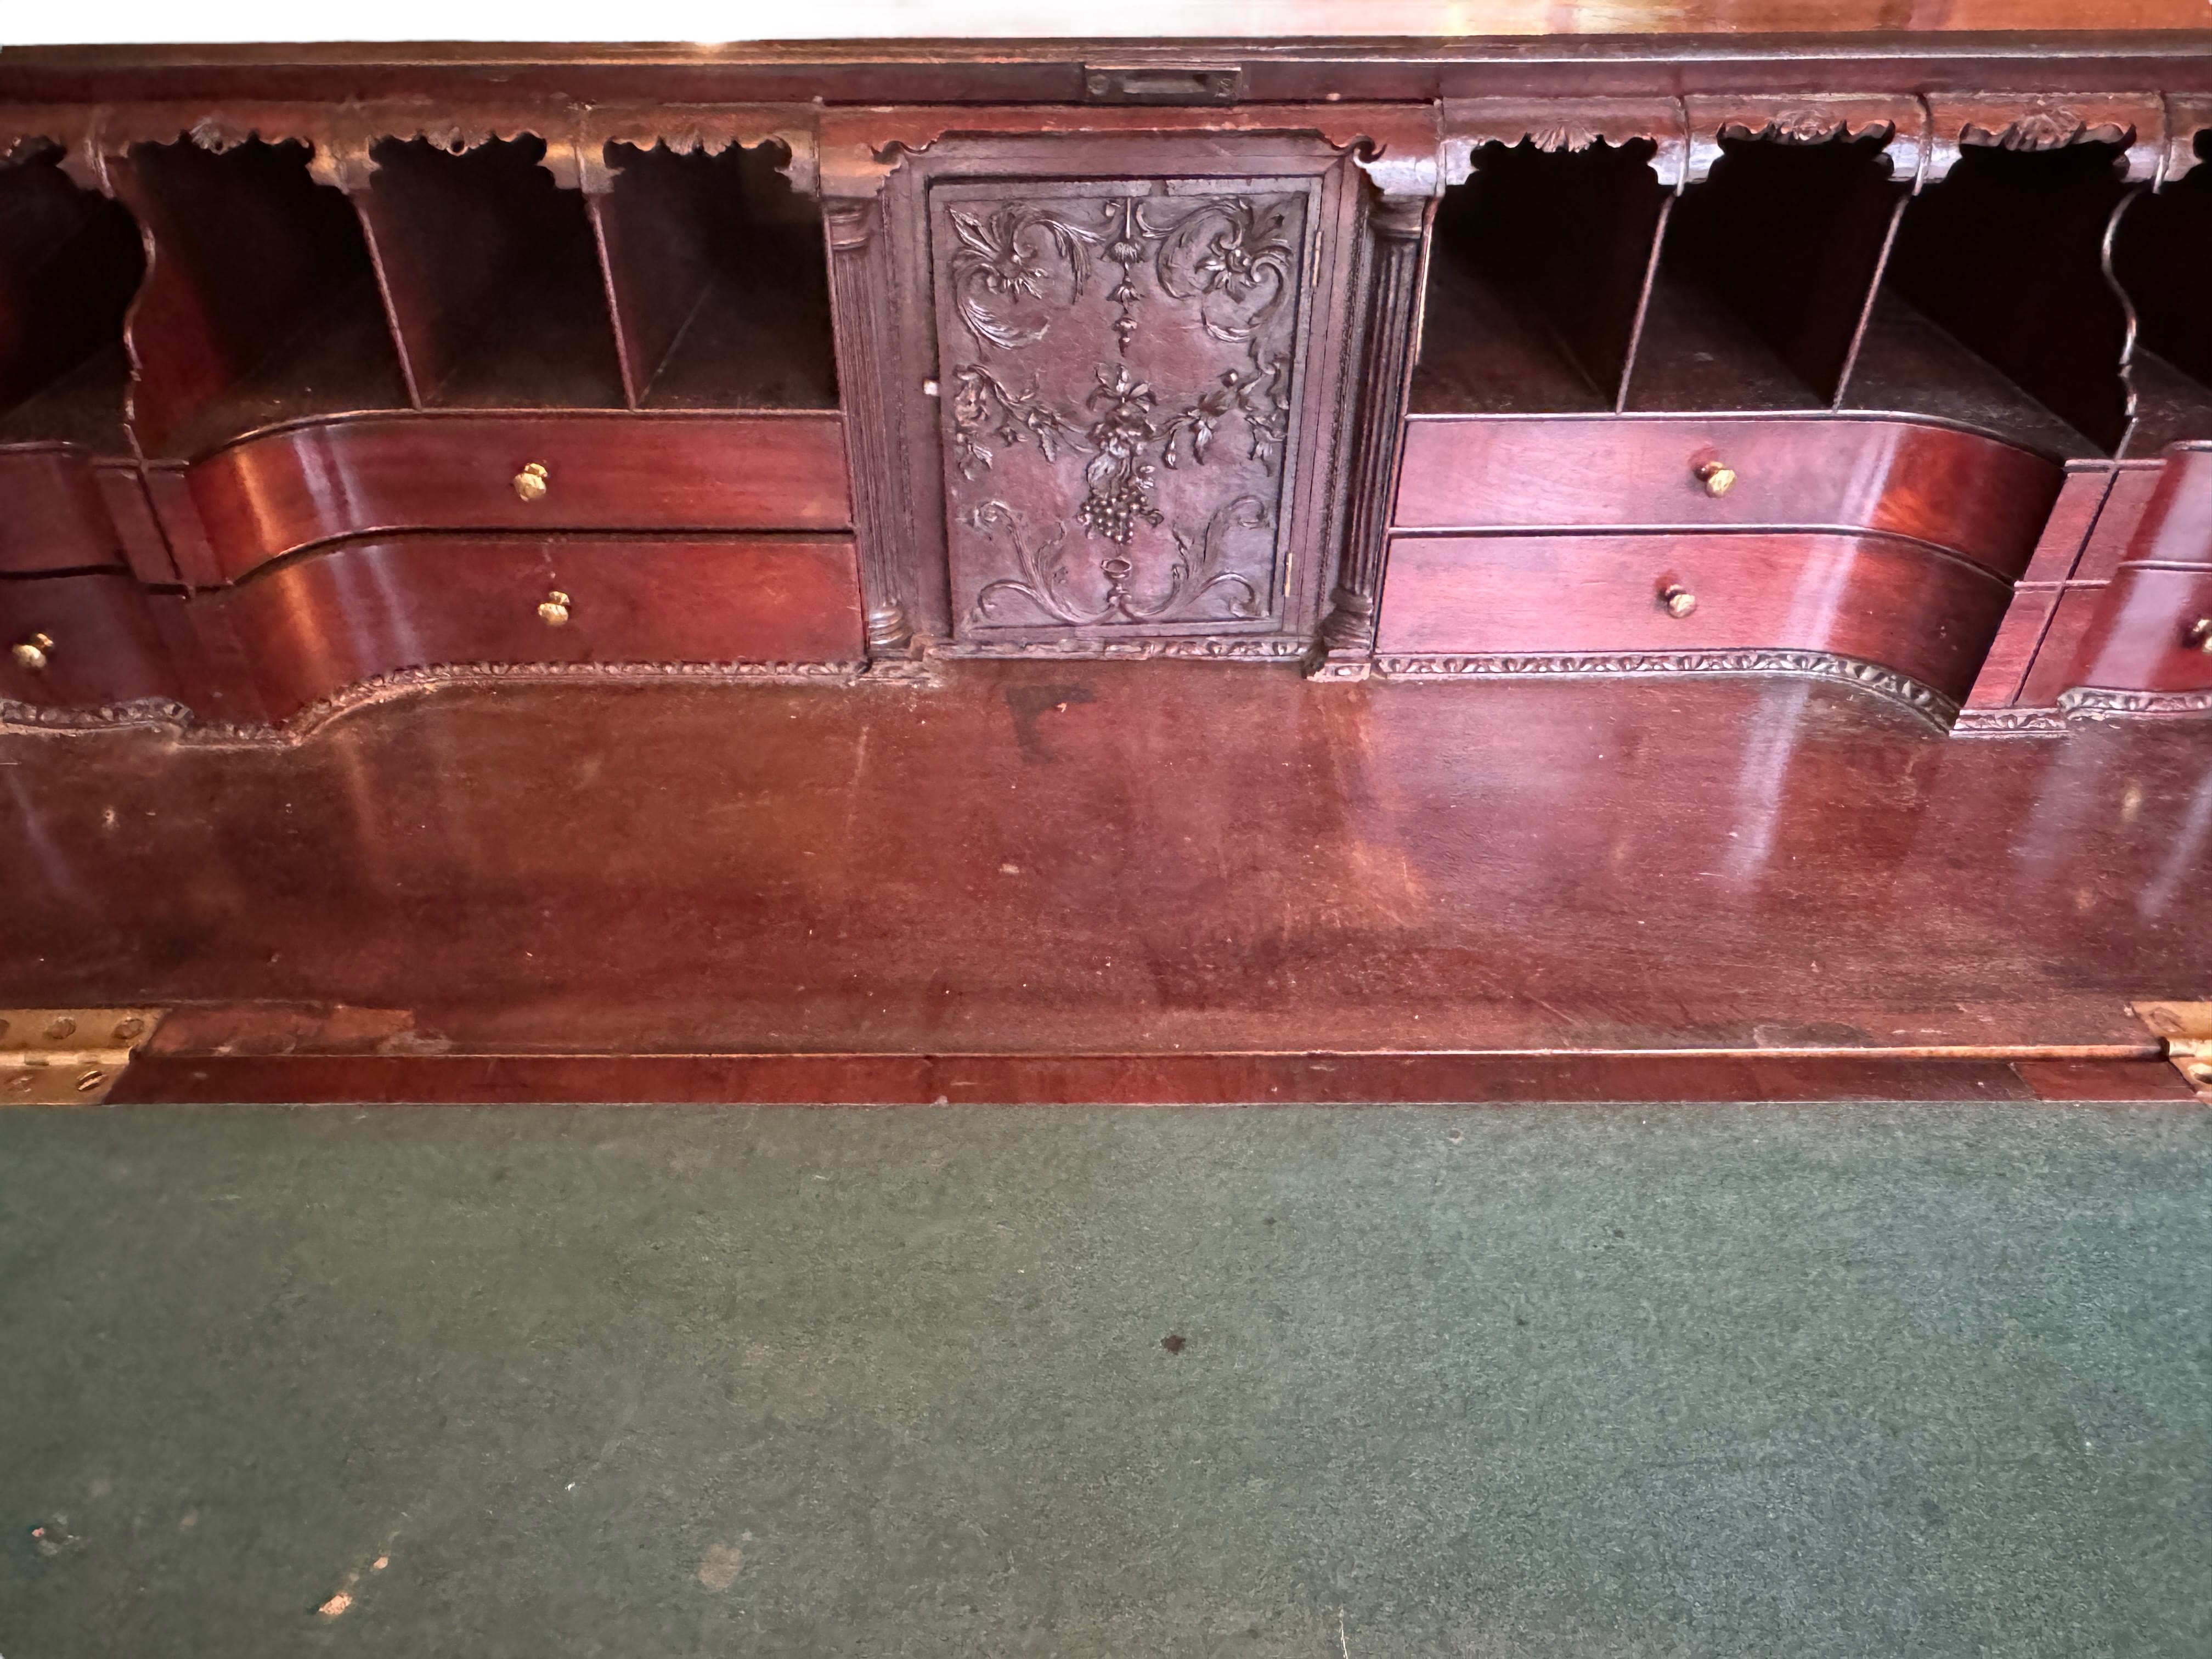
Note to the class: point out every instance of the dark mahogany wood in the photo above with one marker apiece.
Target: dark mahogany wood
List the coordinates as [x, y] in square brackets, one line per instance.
[2004, 672]
[1130, 435]
[2176, 522]
[276, 493]
[2149, 632]
[1767, 264]
[258, 305]
[1929, 615]
[56, 516]
[1122, 373]
[1951, 489]
[2005, 254]
[719, 281]
[331, 620]
[105, 647]
[1190, 1079]
[492, 274]
[69, 262]
[1538, 270]
[1296, 882]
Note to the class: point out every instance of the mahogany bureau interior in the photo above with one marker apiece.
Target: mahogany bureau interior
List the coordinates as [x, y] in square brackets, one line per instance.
[328, 376]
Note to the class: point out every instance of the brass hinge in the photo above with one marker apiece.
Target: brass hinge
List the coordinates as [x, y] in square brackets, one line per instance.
[67, 1056]
[2186, 1027]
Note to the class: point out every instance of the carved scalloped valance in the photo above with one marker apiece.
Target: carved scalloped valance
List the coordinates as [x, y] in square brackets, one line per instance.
[1797, 119]
[1564, 125]
[1394, 144]
[2046, 121]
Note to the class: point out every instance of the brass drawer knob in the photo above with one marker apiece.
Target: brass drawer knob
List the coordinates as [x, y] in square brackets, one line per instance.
[32, 653]
[2200, 636]
[1678, 599]
[1717, 477]
[554, 612]
[531, 483]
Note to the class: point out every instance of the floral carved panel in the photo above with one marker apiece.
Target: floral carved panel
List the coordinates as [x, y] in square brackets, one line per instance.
[1117, 367]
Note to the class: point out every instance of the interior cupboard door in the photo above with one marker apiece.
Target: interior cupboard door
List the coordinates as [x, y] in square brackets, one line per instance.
[1121, 368]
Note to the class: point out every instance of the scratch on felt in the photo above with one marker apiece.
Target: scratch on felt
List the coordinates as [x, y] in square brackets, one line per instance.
[1345, 1645]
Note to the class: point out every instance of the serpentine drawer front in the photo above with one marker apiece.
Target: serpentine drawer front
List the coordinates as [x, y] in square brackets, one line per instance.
[1337, 359]
[279, 491]
[2152, 633]
[58, 510]
[367, 609]
[90, 639]
[1955, 488]
[1928, 616]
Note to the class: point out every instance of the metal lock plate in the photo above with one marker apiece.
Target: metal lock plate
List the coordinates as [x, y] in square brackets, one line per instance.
[67, 1056]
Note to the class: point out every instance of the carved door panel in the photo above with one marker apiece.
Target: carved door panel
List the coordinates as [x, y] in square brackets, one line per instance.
[1119, 369]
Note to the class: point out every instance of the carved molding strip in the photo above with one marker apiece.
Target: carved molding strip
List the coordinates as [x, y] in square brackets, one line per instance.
[162, 713]
[341, 138]
[1928, 704]
[2009, 723]
[1787, 119]
[1209, 648]
[1395, 144]
[1568, 124]
[2045, 121]
[699, 129]
[2097, 703]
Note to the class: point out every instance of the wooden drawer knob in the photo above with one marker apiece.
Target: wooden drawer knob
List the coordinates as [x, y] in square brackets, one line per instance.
[554, 611]
[2200, 636]
[1678, 599]
[32, 653]
[1717, 477]
[531, 483]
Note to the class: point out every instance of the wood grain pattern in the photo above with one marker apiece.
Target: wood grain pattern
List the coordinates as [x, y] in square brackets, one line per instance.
[275, 494]
[2176, 525]
[1975, 496]
[53, 514]
[2148, 633]
[108, 646]
[331, 619]
[1927, 615]
[1536, 866]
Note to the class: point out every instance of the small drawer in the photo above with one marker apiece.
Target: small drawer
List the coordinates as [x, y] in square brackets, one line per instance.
[279, 492]
[1956, 489]
[54, 514]
[1927, 615]
[2175, 527]
[82, 640]
[2152, 632]
[351, 613]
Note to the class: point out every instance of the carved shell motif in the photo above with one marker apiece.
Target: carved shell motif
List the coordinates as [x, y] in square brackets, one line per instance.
[1804, 126]
[1566, 137]
[2042, 129]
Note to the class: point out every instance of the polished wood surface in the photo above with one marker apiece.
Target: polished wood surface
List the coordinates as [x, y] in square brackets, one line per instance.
[2149, 632]
[1870, 599]
[57, 516]
[314, 626]
[104, 647]
[1951, 489]
[1142, 861]
[278, 492]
